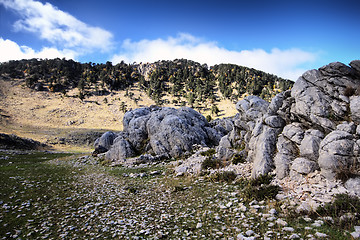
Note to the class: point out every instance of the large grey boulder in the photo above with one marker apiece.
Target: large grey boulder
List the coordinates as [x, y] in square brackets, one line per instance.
[224, 153]
[174, 132]
[321, 124]
[356, 66]
[303, 166]
[134, 123]
[120, 150]
[309, 147]
[355, 108]
[223, 125]
[294, 132]
[251, 108]
[353, 186]
[280, 104]
[275, 122]
[105, 141]
[287, 151]
[319, 95]
[336, 153]
[262, 148]
[163, 131]
[349, 127]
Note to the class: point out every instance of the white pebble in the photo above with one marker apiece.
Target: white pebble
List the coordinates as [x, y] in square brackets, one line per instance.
[320, 235]
[288, 229]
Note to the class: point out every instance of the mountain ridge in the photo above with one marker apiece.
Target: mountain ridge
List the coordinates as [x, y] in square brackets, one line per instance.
[185, 79]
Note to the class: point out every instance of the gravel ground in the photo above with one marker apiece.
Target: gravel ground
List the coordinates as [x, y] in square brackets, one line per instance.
[147, 202]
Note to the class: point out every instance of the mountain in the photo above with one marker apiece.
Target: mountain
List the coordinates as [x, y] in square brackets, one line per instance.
[187, 81]
[54, 100]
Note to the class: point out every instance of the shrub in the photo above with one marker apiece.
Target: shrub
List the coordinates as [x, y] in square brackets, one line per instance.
[208, 118]
[262, 179]
[105, 162]
[178, 188]
[238, 158]
[226, 176]
[259, 188]
[349, 91]
[208, 153]
[345, 211]
[130, 189]
[264, 192]
[344, 173]
[211, 163]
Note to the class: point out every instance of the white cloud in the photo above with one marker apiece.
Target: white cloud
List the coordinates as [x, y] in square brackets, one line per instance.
[285, 63]
[12, 51]
[58, 27]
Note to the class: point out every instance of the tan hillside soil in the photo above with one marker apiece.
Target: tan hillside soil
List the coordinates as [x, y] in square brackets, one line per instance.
[44, 115]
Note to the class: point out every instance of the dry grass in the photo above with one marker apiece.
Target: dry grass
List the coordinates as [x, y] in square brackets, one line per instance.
[38, 115]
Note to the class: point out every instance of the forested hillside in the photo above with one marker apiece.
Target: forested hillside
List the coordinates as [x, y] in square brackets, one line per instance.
[188, 82]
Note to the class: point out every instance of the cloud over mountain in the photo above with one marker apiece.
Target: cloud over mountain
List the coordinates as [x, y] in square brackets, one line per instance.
[285, 63]
[12, 51]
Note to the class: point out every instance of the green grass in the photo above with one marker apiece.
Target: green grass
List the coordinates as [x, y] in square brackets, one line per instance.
[334, 232]
[35, 193]
[121, 171]
[25, 179]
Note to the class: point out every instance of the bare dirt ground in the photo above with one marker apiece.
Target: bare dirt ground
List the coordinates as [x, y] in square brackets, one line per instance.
[45, 116]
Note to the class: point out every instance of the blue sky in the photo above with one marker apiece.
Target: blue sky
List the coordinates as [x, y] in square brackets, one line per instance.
[280, 37]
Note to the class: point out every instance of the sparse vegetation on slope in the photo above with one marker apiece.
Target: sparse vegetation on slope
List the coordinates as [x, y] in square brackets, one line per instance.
[182, 79]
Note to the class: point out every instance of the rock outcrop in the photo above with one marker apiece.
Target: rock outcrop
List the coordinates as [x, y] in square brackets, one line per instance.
[313, 126]
[160, 131]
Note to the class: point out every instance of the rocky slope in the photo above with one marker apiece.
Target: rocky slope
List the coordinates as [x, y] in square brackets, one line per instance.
[312, 128]
[319, 125]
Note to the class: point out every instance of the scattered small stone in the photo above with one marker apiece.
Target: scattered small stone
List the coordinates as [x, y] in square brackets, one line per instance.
[320, 235]
[294, 236]
[288, 229]
[249, 233]
[281, 222]
[318, 223]
[273, 211]
[307, 219]
[355, 235]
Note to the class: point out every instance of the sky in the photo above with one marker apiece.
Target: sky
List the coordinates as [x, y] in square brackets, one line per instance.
[284, 38]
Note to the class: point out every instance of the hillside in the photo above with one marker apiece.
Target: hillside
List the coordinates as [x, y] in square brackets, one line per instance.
[49, 99]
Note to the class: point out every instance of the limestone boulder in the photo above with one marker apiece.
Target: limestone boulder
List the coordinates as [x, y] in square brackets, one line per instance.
[105, 141]
[251, 108]
[353, 186]
[303, 166]
[120, 150]
[336, 153]
[280, 104]
[309, 147]
[262, 150]
[287, 151]
[163, 131]
[294, 132]
[355, 109]
[355, 65]
[319, 95]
